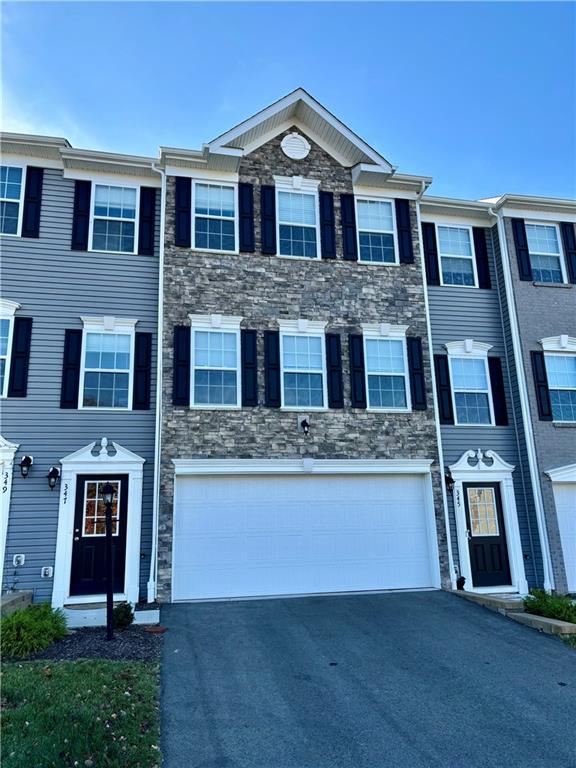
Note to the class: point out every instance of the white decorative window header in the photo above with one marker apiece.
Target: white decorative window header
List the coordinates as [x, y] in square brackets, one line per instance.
[562, 343]
[385, 329]
[296, 183]
[295, 146]
[216, 321]
[302, 326]
[8, 308]
[468, 347]
[108, 323]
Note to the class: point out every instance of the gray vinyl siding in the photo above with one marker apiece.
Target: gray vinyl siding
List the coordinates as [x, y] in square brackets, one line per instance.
[458, 313]
[55, 286]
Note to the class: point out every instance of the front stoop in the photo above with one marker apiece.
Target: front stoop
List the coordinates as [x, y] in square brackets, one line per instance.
[502, 603]
[13, 601]
[94, 615]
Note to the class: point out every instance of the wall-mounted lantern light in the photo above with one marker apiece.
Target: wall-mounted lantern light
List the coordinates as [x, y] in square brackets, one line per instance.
[450, 482]
[53, 475]
[25, 464]
[305, 425]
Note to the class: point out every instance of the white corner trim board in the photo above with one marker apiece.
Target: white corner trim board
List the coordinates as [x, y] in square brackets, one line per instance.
[87, 461]
[298, 466]
[7, 453]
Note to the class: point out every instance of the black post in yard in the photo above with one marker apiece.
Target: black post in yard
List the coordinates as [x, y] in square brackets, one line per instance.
[108, 496]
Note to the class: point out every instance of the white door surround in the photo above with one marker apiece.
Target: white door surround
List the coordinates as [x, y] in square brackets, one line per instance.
[487, 466]
[7, 452]
[564, 487]
[260, 535]
[84, 462]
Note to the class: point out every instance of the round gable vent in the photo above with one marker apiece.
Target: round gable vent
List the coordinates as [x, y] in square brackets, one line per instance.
[295, 146]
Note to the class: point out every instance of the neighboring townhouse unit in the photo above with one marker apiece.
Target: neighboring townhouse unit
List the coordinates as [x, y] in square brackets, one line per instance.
[299, 447]
[494, 526]
[79, 236]
[540, 263]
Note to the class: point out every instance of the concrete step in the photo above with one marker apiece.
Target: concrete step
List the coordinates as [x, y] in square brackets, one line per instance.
[550, 626]
[502, 603]
[13, 601]
[95, 616]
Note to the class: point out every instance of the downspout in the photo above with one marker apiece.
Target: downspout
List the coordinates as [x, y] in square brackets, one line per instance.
[525, 405]
[434, 397]
[151, 586]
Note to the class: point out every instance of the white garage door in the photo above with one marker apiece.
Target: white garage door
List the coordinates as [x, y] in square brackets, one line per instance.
[565, 497]
[240, 536]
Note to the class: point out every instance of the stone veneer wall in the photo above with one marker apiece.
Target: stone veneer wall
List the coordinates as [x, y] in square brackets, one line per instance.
[263, 289]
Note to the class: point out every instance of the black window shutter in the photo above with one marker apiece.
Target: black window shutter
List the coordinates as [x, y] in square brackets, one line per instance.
[32, 202]
[147, 222]
[142, 371]
[20, 357]
[521, 246]
[498, 393]
[182, 362]
[416, 368]
[569, 241]
[71, 368]
[404, 231]
[348, 220]
[183, 212]
[357, 378]
[334, 370]
[430, 253]
[246, 217]
[249, 344]
[481, 251]
[81, 216]
[541, 386]
[327, 225]
[268, 219]
[446, 412]
[272, 368]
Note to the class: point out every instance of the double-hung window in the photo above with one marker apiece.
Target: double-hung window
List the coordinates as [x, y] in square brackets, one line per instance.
[297, 215]
[386, 368]
[303, 367]
[11, 188]
[215, 361]
[456, 253]
[545, 253]
[114, 218]
[561, 374]
[107, 369]
[376, 231]
[471, 388]
[214, 217]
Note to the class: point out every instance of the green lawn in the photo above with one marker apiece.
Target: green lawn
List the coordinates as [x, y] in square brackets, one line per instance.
[89, 713]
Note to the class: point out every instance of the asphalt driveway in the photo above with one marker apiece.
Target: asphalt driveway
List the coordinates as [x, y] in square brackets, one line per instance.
[413, 680]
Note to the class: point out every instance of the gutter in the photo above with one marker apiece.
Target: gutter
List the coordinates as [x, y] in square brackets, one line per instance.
[525, 405]
[451, 567]
[152, 579]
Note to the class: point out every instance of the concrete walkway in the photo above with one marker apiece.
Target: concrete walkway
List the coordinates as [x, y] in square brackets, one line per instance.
[405, 680]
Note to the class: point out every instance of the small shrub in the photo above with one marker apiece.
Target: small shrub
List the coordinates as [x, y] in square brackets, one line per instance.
[123, 616]
[31, 630]
[559, 607]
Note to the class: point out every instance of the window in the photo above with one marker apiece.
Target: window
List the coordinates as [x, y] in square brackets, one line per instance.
[94, 518]
[483, 512]
[302, 353]
[107, 363]
[214, 217]
[456, 256]
[11, 187]
[471, 388]
[297, 217]
[386, 368]
[114, 219]
[561, 373]
[376, 231]
[545, 254]
[215, 361]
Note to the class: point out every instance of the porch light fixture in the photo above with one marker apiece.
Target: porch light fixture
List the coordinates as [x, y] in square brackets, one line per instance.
[53, 475]
[450, 482]
[108, 498]
[108, 494]
[25, 464]
[305, 424]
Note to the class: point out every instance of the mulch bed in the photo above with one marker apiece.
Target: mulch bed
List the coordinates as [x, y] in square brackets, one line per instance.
[133, 644]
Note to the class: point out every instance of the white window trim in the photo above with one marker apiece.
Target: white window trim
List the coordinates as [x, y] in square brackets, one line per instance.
[302, 327]
[389, 332]
[113, 325]
[217, 183]
[303, 186]
[24, 169]
[112, 182]
[560, 254]
[559, 346]
[454, 225]
[394, 232]
[7, 311]
[216, 323]
[470, 349]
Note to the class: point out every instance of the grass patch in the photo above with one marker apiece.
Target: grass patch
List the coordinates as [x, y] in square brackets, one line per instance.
[88, 713]
[560, 607]
[569, 640]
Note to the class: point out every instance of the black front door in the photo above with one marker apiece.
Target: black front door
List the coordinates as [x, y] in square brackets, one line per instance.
[88, 574]
[486, 535]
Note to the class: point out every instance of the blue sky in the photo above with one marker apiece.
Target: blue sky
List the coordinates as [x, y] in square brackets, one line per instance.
[481, 96]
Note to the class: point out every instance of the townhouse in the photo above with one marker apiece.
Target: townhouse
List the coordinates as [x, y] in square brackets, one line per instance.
[353, 390]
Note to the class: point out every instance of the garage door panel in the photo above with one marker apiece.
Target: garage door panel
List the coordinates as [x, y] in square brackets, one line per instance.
[249, 536]
[565, 499]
